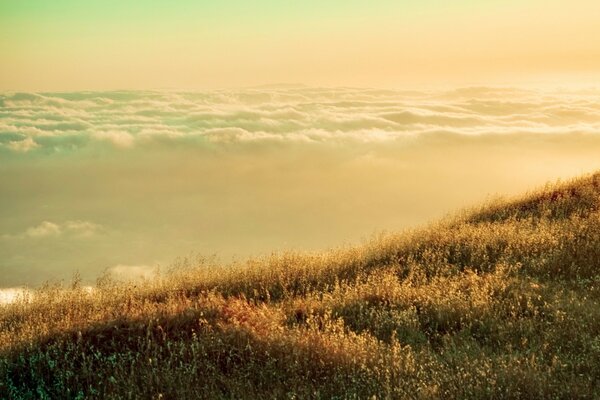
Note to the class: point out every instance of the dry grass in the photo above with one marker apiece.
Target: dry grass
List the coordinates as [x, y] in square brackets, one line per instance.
[498, 302]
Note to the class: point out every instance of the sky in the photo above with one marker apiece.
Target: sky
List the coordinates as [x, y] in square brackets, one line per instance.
[57, 45]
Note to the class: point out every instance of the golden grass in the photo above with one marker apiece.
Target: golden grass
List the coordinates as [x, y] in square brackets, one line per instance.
[498, 302]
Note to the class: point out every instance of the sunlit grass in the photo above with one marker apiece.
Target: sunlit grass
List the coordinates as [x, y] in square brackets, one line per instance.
[497, 302]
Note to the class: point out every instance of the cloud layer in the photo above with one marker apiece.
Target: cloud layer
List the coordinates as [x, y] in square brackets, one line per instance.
[123, 181]
[69, 121]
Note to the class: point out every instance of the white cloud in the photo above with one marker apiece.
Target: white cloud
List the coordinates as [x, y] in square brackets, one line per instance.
[73, 229]
[117, 138]
[286, 114]
[82, 228]
[23, 145]
[46, 228]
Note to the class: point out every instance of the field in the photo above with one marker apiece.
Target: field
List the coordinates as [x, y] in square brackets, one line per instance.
[501, 301]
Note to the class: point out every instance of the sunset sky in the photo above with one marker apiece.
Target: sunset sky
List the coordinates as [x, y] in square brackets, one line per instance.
[134, 44]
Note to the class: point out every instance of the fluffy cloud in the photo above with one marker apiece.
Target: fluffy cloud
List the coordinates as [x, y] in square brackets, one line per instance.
[46, 228]
[126, 119]
[117, 138]
[81, 228]
[76, 228]
[22, 145]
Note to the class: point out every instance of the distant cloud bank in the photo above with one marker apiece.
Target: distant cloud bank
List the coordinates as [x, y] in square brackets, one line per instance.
[59, 122]
[117, 183]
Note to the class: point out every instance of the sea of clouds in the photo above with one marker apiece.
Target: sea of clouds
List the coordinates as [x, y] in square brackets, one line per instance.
[54, 122]
[125, 181]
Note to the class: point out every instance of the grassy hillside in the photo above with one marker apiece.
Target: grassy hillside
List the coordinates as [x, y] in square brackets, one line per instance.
[498, 302]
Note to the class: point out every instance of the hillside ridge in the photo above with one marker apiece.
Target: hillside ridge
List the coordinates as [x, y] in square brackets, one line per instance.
[500, 301]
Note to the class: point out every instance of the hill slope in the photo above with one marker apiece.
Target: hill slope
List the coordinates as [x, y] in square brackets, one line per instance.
[498, 302]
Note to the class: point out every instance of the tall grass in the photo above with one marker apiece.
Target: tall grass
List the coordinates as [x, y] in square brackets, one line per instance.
[497, 302]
